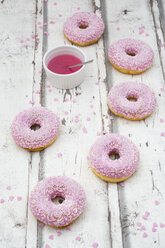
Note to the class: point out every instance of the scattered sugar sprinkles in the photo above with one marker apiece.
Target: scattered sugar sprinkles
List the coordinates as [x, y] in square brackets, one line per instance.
[95, 245]
[78, 238]
[51, 237]
[145, 235]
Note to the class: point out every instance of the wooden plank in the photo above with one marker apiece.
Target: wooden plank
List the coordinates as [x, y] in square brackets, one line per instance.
[17, 84]
[33, 237]
[146, 186]
[87, 100]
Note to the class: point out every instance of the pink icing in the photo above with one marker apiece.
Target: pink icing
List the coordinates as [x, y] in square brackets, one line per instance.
[58, 215]
[95, 27]
[118, 102]
[142, 60]
[122, 167]
[28, 138]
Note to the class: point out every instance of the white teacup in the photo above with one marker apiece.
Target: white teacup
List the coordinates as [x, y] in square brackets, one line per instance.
[65, 81]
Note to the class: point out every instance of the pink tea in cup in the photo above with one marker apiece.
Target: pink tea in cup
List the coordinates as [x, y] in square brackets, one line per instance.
[59, 64]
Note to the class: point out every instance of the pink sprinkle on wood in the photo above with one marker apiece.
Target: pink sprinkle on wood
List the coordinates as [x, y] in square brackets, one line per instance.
[68, 228]
[162, 89]
[59, 15]
[54, 3]
[138, 224]
[39, 23]
[157, 202]
[59, 233]
[122, 184]
[84, 130]
[2, 201]
[19, 198]
[31, 102]
[41, 27]
[147, 35]
[147, 213]
[59, 154]
[155, 224]
[8, 187]
[66, 112]
[74, 101]
[37, 92]
[91, 106]
[47, 246]
[95, 245]
[48, 86]
[154, 229]
[143, 228]
[118, 29]
[45, 1]
[97, 83]
[11, 198]
[66, 100]
[88, 118]
[45, 24]
[98, 133]
[21, 41]
[51, 237]
[111, 118]
[52, 22]
[25, 46]
[162, 134]
[78, 238]
[76, 120]
[55, 99]
[50, 90]
[162, 225]
[78, 8]
[144, 217]
[161, 120]
[33, 36]
[27, 39]
[145, 235]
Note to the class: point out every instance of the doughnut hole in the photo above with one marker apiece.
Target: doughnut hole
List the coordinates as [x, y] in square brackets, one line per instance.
[35, 127]
[114, 154]
[83, 25]
[132, 98]
[131, 52]
[58, 200]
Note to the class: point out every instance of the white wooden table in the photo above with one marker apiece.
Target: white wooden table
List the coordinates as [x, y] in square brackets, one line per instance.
[113, 210]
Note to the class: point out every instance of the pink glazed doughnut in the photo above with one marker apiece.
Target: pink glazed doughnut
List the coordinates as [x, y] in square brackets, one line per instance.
[131, 100]
[24, 133]
[130, 56]
[113, 170]
[83, 28]
[62, 212]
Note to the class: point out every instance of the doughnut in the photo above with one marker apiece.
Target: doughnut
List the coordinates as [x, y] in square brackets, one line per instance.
[25, 123]
[70, 202]
[83, 28]
[108, 169]
[131, 100]
[130, 56]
